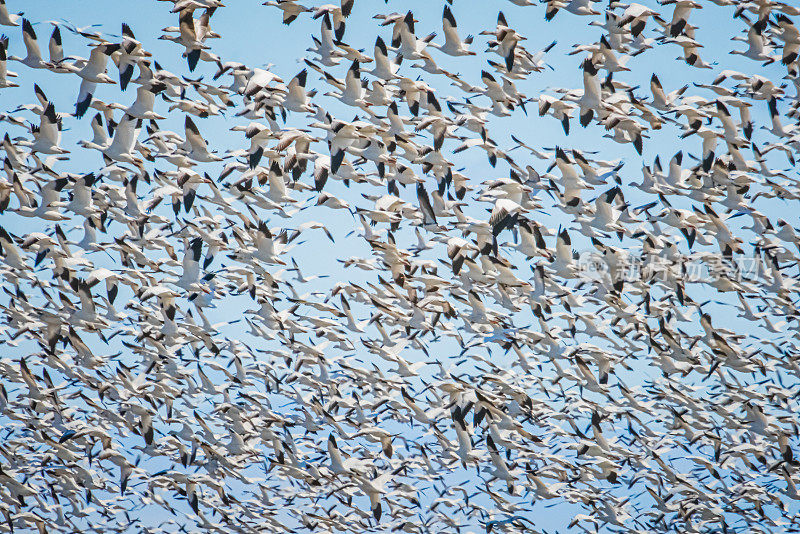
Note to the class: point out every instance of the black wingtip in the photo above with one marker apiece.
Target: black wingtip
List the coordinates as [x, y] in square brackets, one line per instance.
[82, 106]
[193, 57]
[28, 28]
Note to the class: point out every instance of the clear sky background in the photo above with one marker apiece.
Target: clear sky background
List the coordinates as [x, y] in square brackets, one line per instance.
[253, 34]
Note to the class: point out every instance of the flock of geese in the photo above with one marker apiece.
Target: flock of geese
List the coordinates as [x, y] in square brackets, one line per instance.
[372, 313]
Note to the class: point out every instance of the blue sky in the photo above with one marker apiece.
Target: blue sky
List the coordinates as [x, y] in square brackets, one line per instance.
[253, 34]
